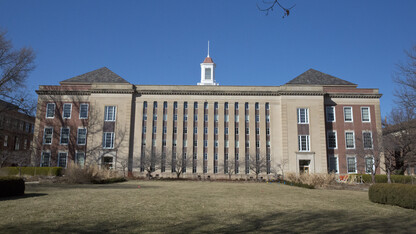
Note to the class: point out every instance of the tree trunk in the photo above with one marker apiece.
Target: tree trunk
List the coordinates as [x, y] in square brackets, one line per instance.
[373, 177]
[388, 176]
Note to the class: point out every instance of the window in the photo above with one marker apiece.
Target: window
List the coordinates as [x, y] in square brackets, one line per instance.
[110, 113]
[64, 136]
[205, 169]
[333, 164]
[348, 114]
[108, 140]
[227, 144]
[163, 142]
[83, 111]
[193, 169]
[185, 117]
[154, 129]
[50, 110]
[164, 129]
[82, 136]
[215, 130]
[27, 127]
[303, 116]
[80, 159]
[267, 131]
[367, 140]
[267, 106]
[185, 130]
[226, 130]
[185, 143]
[175, 117]
[330, 114]
[108, 162]
[227, 118]
[165, 117]
[257, 131]
[6, 138]
[195, 130]
[47, 136]
[46, 159]
[247, 144]
[216, 117]
[205, 156]
[154, 117]
[195, 156]
[247, 131]
[237, 118]
[267, 118]
[174, 142]
[215, 156]
[349, 140]
[185, 105]
[351, 164]
[237, 144]
[205, 143]
[62, 159]
[257, 144]
[246, 105]
[67, 110]
[144, 129]
[256, 105]
[175, 130]
[268, 144]
[153, 142]
[365, 114]
[207, 73]
[195, 105]
[144, 117]
[195, 143]
[216, 143]
[206, 118]
[226, 106]
[369, 164]
[303, 143]
[16, 143]
[165, 105]
[236, 105]
[205, 130]
[236, 131]
[332, 140]
[236, 157]
[195, 118]
[257, 118]
[247, 118]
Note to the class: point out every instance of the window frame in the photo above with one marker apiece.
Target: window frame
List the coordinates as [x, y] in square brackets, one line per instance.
[80, 110]
[355, 165]
[80, 128]
[336, 139]
[112, 140]
[44, 135]
[353, 140]
[77, 158]
[333, 112]
[365, 164]
[70, 111]
[106, 117]
[43, 158]
[47, 110]
[369, 115]
[308, 143]
[371, 139]
[352, 114]
[58, 163]
[69, 135]
[335, 156]
[306, 121]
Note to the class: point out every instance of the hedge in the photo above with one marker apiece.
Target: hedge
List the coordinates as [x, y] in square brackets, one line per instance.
[400, 179]
[33, 171]
[308, 186]
[11, 186]
[109, 180]
[403, 195]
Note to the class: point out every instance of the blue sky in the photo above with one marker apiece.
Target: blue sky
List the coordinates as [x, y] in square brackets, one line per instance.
[164, 41]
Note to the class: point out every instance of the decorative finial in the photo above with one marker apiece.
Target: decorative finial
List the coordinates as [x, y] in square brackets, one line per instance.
[208, 49]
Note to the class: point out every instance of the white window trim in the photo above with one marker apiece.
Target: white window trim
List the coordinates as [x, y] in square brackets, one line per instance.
[336, 139]
[69, 135]
[112, 143]
[355, 159]
[333, 108]
[106, 113]
[353, 139]
[369, 114]
[308, 145]
[41, 159]
[85, 135]
[365, 164]
[76, 157]
[66, 158]
[306, 115]
[371, 136]
[46, 114]
[88, 108]
[352, 114]
[70, 110]
[337, 159]
[44, 130]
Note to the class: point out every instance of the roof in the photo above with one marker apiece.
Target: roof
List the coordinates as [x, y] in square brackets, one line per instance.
[208, 60]
[314, 77]
[102, 75]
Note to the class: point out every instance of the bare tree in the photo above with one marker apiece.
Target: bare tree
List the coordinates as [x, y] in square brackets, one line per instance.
[405, 78]
[258, 164]
[15, 65]
[268, 6]
[370, 151]
[178, 162]
[229, 167]
[150, 161]
[280, 168]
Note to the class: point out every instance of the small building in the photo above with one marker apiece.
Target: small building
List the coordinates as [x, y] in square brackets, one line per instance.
[315, 123]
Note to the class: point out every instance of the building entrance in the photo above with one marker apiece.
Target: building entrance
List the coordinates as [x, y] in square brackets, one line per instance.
[304, 166]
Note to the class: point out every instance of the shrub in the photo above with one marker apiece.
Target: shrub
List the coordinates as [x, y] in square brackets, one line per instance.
[297, 184]
[401, 179]
[316, 180]
[11, 186]
[109, 180]
[403, 195]
[33, 171]
[75, 174]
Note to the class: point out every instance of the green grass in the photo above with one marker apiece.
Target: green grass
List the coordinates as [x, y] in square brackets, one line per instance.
[187, 206]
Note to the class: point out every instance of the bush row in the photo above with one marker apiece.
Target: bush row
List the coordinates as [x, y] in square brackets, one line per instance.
[308, 186]
[400, 179]
[11, 186]
[33, 171]
[403, 195]
[109, 180]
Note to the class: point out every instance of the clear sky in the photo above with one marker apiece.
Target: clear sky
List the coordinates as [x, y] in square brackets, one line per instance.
[164, 41]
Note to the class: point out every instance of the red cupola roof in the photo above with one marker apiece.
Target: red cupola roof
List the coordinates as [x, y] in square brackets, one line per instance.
[208, 60]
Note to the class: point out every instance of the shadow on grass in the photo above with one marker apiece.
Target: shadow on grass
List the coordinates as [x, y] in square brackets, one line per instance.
[92, 186]
[278, 222]
[26, 195]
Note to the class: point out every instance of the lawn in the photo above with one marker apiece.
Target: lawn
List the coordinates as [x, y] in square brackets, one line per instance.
[184, 206]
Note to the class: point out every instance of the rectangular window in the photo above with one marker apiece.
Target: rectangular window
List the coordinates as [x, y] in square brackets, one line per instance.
[154, 129]
[215, 156]
[108, 140]
[267, 118]
[303, 116]
[267, 106]
[80, 159]
[236, 131]
[185, 105]
[27, 127]
[216, 117]
[349, 140]
[226, 118]
[46, 159]
[175, 130]
[185, 130]
[236, 105]
[237, 144]
[144, 129]
[47, 136]
[367, 140]
[205, 130]
[237, 118]
[7, 137]
[216, 143]
[330, 114]
[207, 73]
[195, 118]
[175, 117]
[195, 130]
[365, 114]
[205, 156]
[82, 136]
[247, 144]
[216, 131]
[256, 105]
[257, 131]
[257, 118]
[195, 105]
[247, 131]
[83, 111]
[246, 105]
[205, 143]
[165, 117]
[144, 117]
[333, 164]
[332, 140]
[195, 156]
[110, 113]
[67, 110]
[369, 165]
[206, 118]
[268, 144]
[226, 130]
[64, 136]
[195, 143]
[185, 144]
[185, 117]
[247, 118]
[237, 156]
[351, 164]
[16, 143]
[227, 144]
[303, 143]
[257, 144]
[226, 106]
[62, 159]
[267, 131]
[50, 110]
[348, 114]
[165, 130]
[154, 117]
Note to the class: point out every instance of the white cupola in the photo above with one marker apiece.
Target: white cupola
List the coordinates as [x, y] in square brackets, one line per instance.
[208, 71]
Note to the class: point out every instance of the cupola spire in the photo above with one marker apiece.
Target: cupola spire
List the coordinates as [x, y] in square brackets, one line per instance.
[208, 71]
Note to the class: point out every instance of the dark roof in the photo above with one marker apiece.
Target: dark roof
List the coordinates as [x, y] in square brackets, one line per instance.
[102, 75]
[314, 77]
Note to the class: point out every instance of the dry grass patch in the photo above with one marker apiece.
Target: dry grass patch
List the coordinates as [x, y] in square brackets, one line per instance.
[190, 206]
